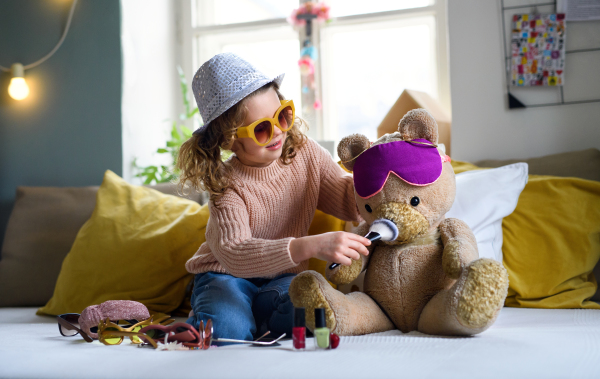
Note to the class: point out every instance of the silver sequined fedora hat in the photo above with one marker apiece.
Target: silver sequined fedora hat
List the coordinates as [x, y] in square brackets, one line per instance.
[222, 82]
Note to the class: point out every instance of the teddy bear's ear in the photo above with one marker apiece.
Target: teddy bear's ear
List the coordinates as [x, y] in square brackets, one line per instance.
[418, 123]
[350, 147]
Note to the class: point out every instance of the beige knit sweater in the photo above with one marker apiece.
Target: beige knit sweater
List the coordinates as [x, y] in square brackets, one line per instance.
[251, 226]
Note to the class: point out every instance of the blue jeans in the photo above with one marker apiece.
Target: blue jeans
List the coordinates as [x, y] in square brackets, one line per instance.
[242, 308]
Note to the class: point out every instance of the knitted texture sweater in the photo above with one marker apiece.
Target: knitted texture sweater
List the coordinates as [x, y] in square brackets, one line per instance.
[250, 227]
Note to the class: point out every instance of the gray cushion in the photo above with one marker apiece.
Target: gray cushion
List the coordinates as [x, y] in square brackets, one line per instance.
[580, 164]
[171, 189]
[42, 227]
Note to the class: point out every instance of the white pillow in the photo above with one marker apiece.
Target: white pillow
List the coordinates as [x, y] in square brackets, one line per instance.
[483, 199]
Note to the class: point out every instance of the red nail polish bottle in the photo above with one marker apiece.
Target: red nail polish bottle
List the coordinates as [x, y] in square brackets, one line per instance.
[299, 330]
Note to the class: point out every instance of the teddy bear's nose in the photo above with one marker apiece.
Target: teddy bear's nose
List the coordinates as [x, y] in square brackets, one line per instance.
[408, 222]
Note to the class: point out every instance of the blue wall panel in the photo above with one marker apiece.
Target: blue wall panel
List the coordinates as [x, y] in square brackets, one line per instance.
[68, 131]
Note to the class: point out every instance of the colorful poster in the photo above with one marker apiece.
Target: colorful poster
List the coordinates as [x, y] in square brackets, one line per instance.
[538, 49]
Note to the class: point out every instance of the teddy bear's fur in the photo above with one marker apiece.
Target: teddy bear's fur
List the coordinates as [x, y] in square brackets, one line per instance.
[429, 279]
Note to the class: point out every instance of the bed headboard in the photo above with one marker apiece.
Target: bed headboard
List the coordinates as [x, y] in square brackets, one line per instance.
[410, 99]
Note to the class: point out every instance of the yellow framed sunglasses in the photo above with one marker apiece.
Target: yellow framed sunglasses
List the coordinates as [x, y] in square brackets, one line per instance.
[110, 333]
[261, 131]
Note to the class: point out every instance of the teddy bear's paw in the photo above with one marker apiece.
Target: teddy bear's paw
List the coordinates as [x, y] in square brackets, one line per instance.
[451, 259]
[483, 293]
[307, 291]
[344, 274]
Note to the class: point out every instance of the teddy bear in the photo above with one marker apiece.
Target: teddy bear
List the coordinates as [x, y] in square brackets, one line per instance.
[425, 273]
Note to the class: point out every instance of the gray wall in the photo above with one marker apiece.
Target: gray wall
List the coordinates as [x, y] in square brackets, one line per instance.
[482, 125]
[68, 131]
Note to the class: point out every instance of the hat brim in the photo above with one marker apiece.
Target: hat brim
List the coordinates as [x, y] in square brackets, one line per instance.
[237, 97]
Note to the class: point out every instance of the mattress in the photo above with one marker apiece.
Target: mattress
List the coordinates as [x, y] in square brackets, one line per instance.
[523, 343]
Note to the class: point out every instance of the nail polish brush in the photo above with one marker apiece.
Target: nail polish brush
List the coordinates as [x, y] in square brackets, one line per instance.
[381, 229]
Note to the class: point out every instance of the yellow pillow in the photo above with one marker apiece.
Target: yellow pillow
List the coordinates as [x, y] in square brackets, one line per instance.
[134, 247]
[323, 223]
[551, 242]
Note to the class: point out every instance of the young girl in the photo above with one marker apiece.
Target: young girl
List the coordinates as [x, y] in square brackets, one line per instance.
[262, 201]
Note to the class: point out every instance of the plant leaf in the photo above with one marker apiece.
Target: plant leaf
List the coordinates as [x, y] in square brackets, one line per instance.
[186, 131]
[149, 170]
[184, 89]
[192, 113]
[175, 133]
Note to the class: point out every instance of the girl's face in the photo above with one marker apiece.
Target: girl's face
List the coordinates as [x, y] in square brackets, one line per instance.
[246, 150]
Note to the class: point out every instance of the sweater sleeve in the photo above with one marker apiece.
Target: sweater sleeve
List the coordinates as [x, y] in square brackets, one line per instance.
[230, 239]
[336, 189]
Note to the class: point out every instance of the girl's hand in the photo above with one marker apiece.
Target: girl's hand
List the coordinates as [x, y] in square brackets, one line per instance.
[337, 247]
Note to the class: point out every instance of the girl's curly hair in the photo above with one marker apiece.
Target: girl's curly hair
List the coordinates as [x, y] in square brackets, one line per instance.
[199, 160]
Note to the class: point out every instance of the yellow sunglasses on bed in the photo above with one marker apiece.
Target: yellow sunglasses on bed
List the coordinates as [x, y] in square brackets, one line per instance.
[261, 131]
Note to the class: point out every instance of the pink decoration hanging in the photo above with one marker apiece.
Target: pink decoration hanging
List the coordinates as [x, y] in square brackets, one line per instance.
[307, 66]
[320, 10]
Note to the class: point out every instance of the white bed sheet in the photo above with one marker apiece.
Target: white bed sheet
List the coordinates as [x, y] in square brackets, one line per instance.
[524, 343]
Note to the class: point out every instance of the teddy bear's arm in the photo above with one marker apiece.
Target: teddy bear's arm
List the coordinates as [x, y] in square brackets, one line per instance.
[346, 274]
[460, 246]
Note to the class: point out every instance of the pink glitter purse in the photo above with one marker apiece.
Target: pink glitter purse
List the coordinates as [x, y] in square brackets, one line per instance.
[114, 310]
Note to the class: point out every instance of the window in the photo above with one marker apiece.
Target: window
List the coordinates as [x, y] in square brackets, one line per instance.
[223, 12]
[365, 68]
[274, 49]
[369, 53]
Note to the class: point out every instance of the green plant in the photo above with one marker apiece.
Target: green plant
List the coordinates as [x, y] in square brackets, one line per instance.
[179, 134]
[163, 174]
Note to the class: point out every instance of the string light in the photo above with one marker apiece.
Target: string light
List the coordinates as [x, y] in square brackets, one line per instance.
[18, 88]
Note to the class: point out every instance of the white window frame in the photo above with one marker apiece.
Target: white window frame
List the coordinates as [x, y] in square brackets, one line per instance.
[187, 34]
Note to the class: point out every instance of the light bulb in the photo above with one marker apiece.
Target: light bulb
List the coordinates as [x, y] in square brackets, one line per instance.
[18, 88]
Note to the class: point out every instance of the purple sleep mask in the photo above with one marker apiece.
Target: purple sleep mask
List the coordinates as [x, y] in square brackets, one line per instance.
[417, 162]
